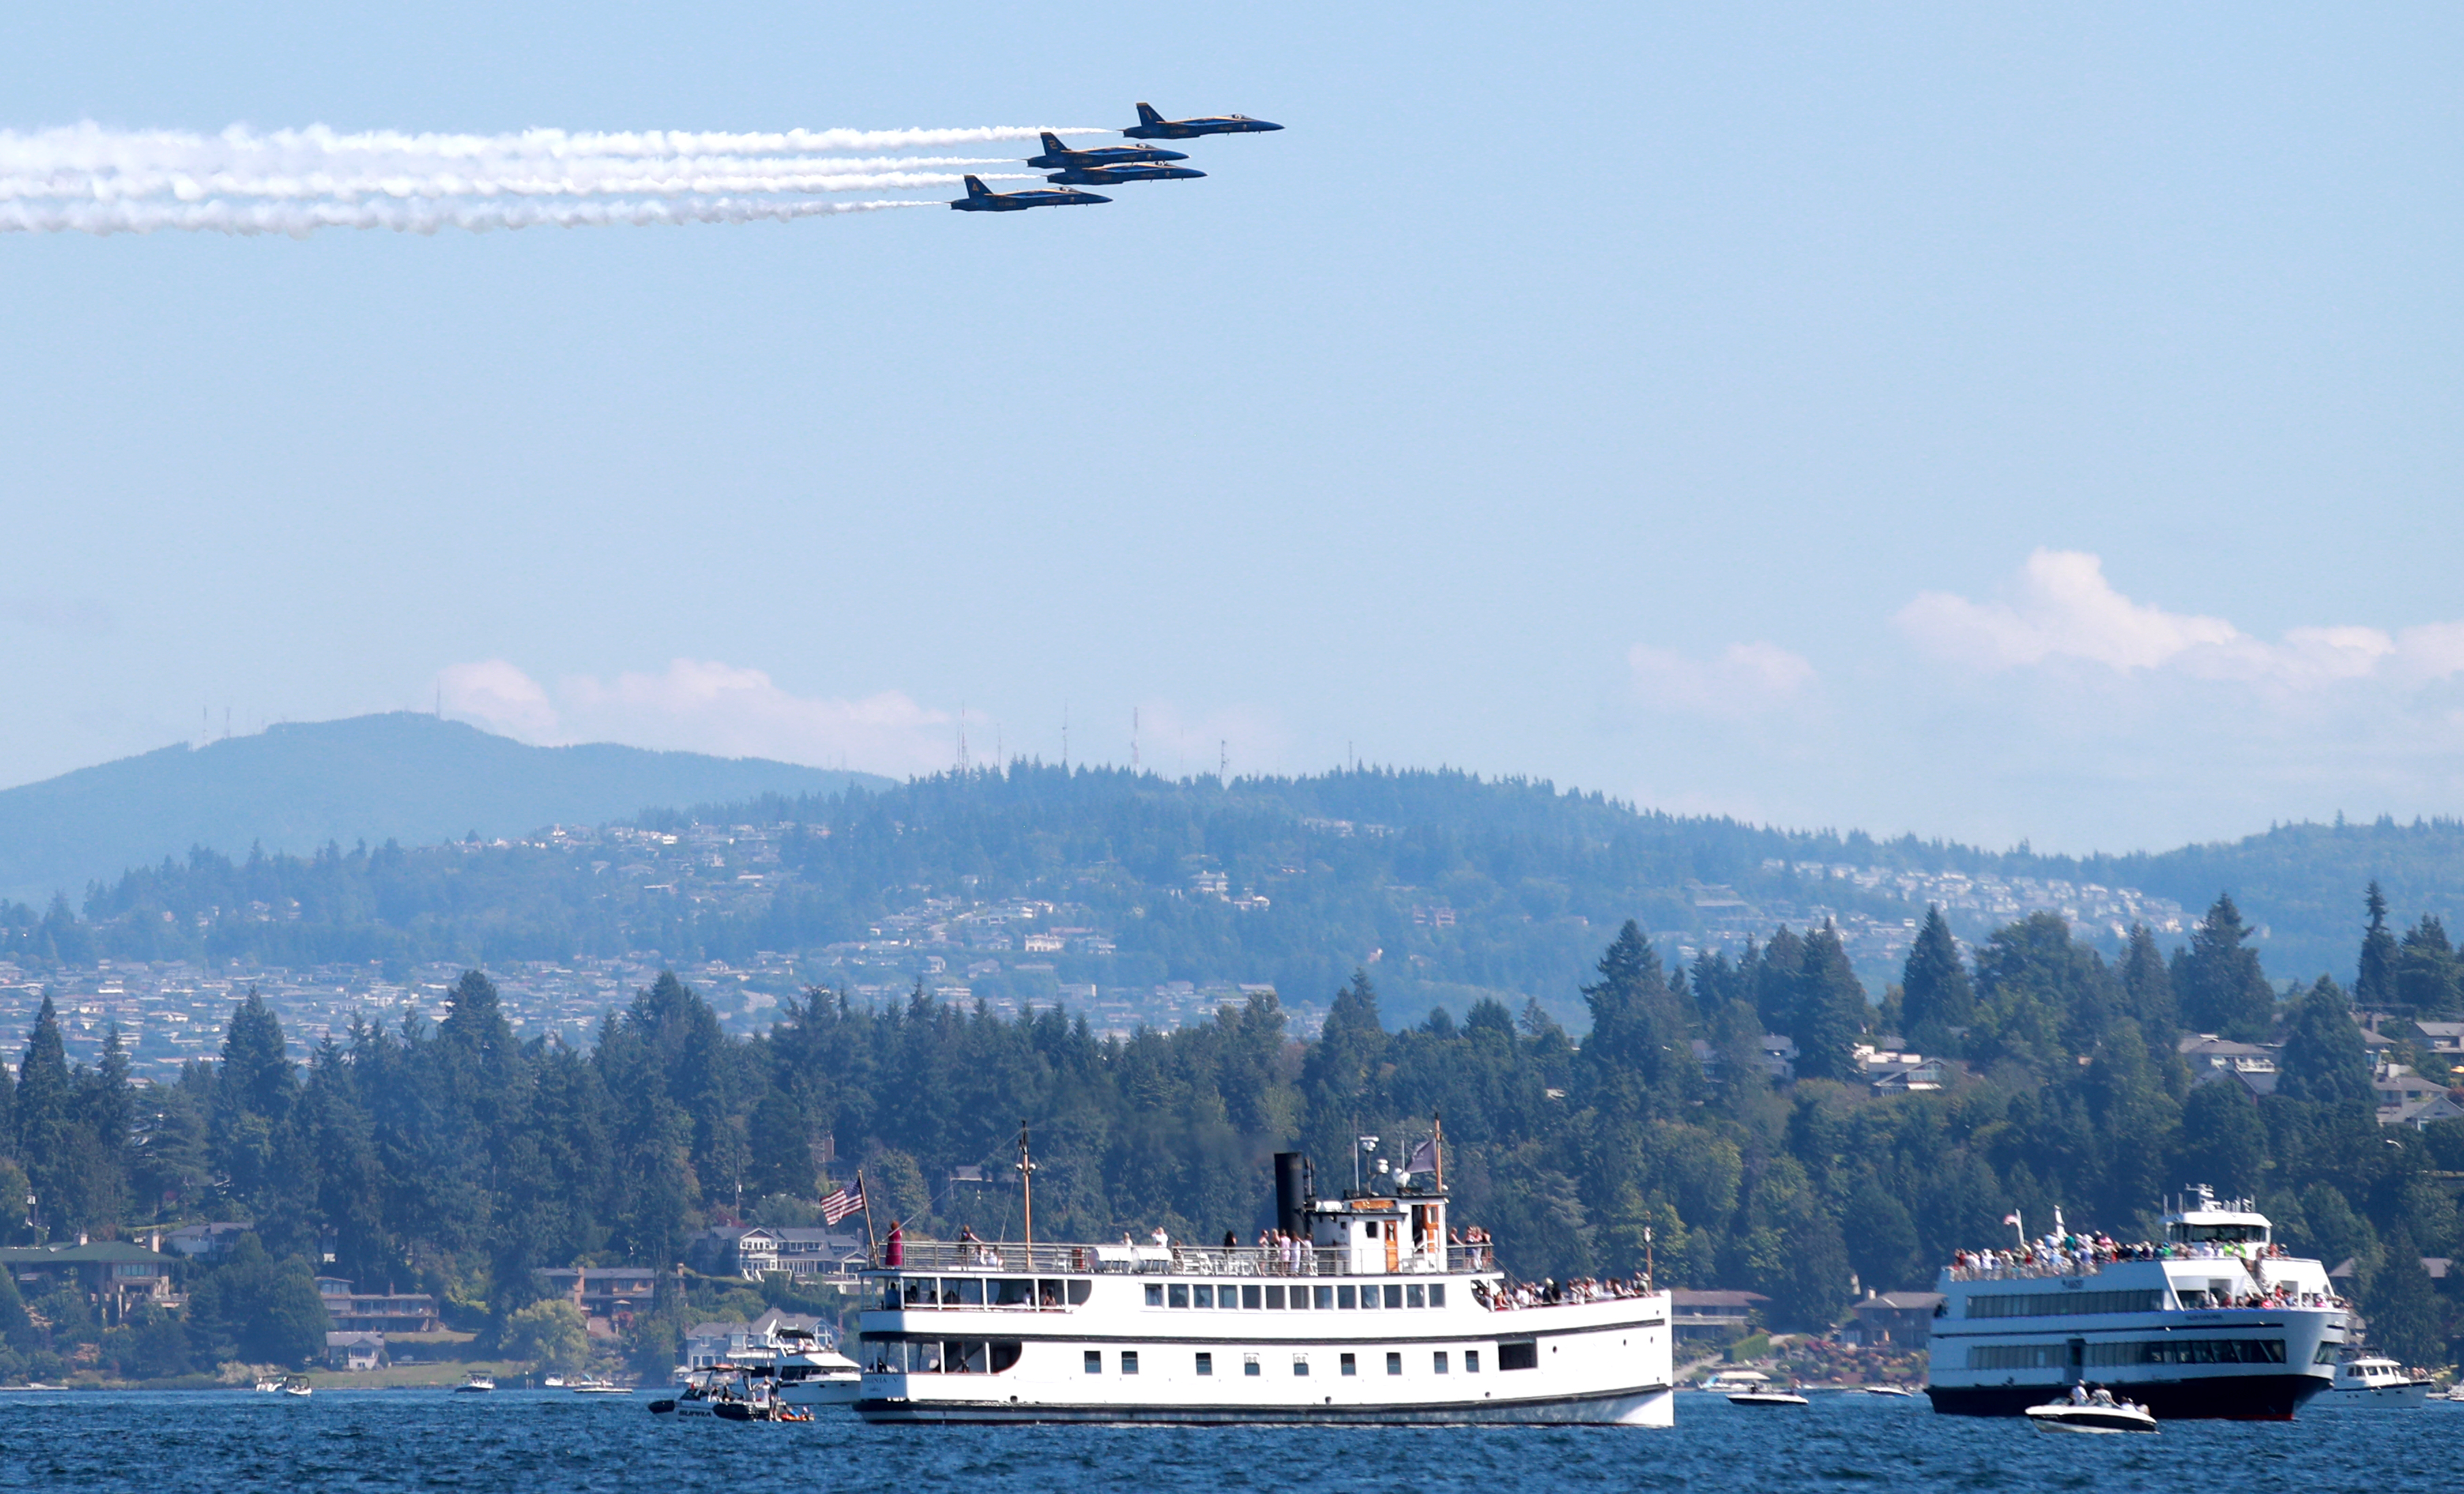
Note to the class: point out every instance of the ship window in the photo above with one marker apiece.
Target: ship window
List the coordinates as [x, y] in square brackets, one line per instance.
[1351, 1365]
[1394, 1364]
[1079, 1292]
[1275, 1298]
[2326, 1355]
[1179, 1293]
[1249, 1364]
[1346, 1297]
[1438, 1361]
[1094, 1361]
[1437, 1294]
[1300, 1366]
[1005, 1353]
[1228, 1296]
[1394, 1295]
[1250, 1298]
[1525, 1355]
[1203, 1294]
[1206, 1363]
[1128, 1361]
[968, 1358]
[967, 1291]
[1154, 1294]
[921, 1292]
[1047, 1294]
[1325, 1298]
[1471, 1361]
[1415, 1295]
[1015, 1292]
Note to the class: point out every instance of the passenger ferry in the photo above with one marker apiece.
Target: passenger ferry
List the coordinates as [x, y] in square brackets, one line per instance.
[2217, 1323]
[1369, 1314]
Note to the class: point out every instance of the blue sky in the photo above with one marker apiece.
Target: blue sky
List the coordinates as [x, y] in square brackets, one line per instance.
[1992, 423]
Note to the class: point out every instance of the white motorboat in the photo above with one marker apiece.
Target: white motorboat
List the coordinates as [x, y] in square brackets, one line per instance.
[2099, 1415]
[1729, 1382]
[1886, 1390]
[298, 1388]
[267, 1385]
[597, 1385]
[2375, 1382]
[1768, 1397]
[554, 1382]
[476, 1384]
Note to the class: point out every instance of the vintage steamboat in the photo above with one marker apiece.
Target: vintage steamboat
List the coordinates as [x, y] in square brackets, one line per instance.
[1367, 1311]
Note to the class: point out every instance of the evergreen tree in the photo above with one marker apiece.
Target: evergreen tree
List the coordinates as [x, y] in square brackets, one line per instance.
[2219, 983]
[2374, 984]
[2323, 1062]
[2426, 976]
[2147, 988]
[1636, 1062]
[47, 1118]
[1882, 1240]
[2224, 1143]
[2402, 1314]
[1830, 1014]
[1935, 994]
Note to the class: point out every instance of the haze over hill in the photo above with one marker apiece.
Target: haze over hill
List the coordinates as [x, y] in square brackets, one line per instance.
[295, 787]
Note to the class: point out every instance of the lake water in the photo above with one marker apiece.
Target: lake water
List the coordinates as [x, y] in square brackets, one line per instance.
[526, 1441]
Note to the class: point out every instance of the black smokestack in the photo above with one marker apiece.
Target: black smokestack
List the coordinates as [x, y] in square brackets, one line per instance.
[1290, 1191]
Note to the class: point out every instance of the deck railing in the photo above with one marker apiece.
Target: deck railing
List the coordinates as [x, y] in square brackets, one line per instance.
[930, 1256]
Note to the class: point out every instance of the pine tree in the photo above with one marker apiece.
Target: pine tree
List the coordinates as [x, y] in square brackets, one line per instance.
[2147, 988]
[2221, 986]
[2403, 1316]
[2323, 1062]
[1936, 994]
[1829, 1015]
[1634, 1063]
[2426, 979]
[2374, 984]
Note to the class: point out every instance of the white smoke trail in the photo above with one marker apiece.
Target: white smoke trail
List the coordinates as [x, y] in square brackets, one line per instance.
[632, 179]
[91, 147]
[301, 219]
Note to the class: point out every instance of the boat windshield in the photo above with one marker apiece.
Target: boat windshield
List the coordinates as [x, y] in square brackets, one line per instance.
[2187, 1233]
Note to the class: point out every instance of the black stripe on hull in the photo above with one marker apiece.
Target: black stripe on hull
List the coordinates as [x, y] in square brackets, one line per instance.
[1553, 1411]
[2223, 1398]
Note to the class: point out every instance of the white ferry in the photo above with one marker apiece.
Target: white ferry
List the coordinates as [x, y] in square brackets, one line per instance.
[1370, 1314]
[2370, 1381]
[2220, 1325]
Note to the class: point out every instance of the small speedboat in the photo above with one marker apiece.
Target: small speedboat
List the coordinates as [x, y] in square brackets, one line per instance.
[2111, 1416]
[1767, 1397]
[476, 1384]
[594, 1385]
[298, 1388]
[1886, 1390]
[554, 1382]
[268, 1385]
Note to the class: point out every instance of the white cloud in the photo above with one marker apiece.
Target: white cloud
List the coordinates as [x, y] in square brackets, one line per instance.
[1745, 680]
[2062, 608]
[706, 706]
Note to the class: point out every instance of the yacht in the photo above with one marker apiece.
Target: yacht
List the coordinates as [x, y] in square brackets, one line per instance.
[2375, 1382]
[1367, 1312]
[2216, 1322]
[810, 1371]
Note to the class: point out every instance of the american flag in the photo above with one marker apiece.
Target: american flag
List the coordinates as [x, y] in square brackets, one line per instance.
[844, 1203]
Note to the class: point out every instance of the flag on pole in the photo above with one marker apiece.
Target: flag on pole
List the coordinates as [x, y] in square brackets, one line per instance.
[844, 1203]
[2012, 1219]
[1424, 1157]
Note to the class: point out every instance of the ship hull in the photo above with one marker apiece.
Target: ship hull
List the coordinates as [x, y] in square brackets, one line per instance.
[1642, 1406]
[2239, 1397]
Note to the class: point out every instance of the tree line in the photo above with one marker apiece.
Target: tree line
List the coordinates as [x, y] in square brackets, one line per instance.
[454, 1157]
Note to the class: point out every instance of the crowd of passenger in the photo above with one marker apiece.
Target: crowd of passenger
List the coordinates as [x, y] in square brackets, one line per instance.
[2079, 1255]
[1552, 1293]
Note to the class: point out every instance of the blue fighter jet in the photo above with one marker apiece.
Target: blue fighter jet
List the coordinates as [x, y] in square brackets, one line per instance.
[1152, 125]
[1114, 176]
[980, 198]
[1058, 157]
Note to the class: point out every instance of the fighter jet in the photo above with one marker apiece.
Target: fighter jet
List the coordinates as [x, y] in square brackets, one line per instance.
[980, 198]
[1114, 176]
[1152, 125]
[1058, 157]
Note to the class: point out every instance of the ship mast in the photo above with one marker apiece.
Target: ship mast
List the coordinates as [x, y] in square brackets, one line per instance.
[1026, 1182]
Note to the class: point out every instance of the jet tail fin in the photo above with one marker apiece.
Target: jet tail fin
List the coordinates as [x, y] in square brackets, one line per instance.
[1147, 115]
[1053, 143]
[975, 187]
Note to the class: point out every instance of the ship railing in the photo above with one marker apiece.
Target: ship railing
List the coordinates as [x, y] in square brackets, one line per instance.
[2029, 1270]
[930, 1256]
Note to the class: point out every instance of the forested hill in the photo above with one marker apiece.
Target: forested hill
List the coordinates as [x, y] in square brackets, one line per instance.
[1448, 887]
[295, 787]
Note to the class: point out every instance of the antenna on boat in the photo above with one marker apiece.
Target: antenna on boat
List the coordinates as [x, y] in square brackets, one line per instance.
[1026, 1181]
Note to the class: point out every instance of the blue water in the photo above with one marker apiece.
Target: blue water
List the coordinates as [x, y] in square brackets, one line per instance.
[233, 1442]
